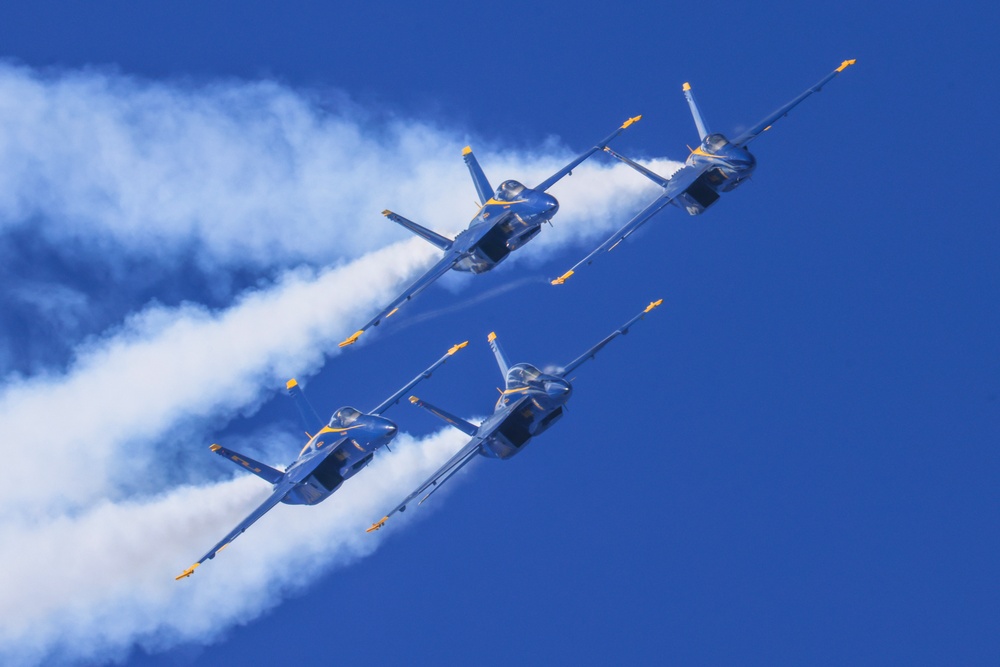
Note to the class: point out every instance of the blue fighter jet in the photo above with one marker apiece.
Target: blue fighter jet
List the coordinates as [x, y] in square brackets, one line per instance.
[528, 405]
[717, 165]
[335, 452]
[507, 219]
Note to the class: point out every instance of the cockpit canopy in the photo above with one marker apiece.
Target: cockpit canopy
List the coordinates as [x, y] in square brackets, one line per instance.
[715, 141]
[345, 417]
[522, 374]
[509, 191]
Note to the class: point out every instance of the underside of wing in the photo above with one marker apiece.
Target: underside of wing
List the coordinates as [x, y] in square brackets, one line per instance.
[658, 204]
[568, 169]
[280, 492]
[443, 265]
[675, 186]
[766, 123]
[434, 482]
[620, 331]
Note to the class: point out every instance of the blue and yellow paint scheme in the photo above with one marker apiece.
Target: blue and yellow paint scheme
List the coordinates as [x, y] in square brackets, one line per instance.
[508, 218]
[335, 452]
[716, 166]
[530, 403]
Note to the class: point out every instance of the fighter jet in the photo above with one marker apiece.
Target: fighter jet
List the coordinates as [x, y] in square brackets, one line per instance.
[506, 220]
[717, 165]
[529, 404]
[334, 453]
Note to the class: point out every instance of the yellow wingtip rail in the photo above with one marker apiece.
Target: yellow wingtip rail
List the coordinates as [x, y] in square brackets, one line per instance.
[847, 63]
[455, 348]
[634, 119]
[378, 524]
[562, 279]
[352, 339]
[652, 305]
[186, 573]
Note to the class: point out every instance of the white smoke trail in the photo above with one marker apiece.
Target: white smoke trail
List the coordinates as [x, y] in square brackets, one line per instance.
[115, 587]
[251, 174]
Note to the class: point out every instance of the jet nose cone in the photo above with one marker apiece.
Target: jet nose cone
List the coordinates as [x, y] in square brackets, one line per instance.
[549, 205]
[558, 389]
[390, 430]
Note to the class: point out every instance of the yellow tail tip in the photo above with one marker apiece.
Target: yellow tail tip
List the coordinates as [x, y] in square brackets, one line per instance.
[352, 339]
[186, 573]
[844, 65]
[377, 524]
[455, 348]
[686, 87]
[291, 383]
[414, 399]
[215, 448]
[387, 212]
[466, 150]
[652, 305]
[561, 279]
[492, 337]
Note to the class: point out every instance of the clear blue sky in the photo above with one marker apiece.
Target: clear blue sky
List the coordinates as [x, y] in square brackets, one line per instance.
[795, 461]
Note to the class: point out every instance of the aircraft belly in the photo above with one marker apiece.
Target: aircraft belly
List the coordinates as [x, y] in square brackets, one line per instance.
[308, 492]
[525, 421]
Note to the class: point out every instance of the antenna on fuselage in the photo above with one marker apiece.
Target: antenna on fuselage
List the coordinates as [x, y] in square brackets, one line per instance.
[698, 120]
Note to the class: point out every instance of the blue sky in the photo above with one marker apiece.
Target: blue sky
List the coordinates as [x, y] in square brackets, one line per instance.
[794, 461]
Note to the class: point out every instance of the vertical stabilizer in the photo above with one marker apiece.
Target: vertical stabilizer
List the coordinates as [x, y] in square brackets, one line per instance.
[698, 120]
[498, 353]
[483, 188]
[310, 420]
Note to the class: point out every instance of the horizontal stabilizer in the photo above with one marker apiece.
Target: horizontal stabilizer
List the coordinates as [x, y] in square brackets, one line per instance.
[457, 422]
[266, 473]
[442, 242]
[651, 175]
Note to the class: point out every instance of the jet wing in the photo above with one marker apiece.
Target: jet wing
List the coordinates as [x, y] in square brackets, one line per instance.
[434, 482]
[450, 259]
[766, 123]
[280, 491]
[621, 331]
[674, 186]
[551, 180]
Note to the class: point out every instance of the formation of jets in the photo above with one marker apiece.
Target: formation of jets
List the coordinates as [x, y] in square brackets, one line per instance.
[532, 400]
